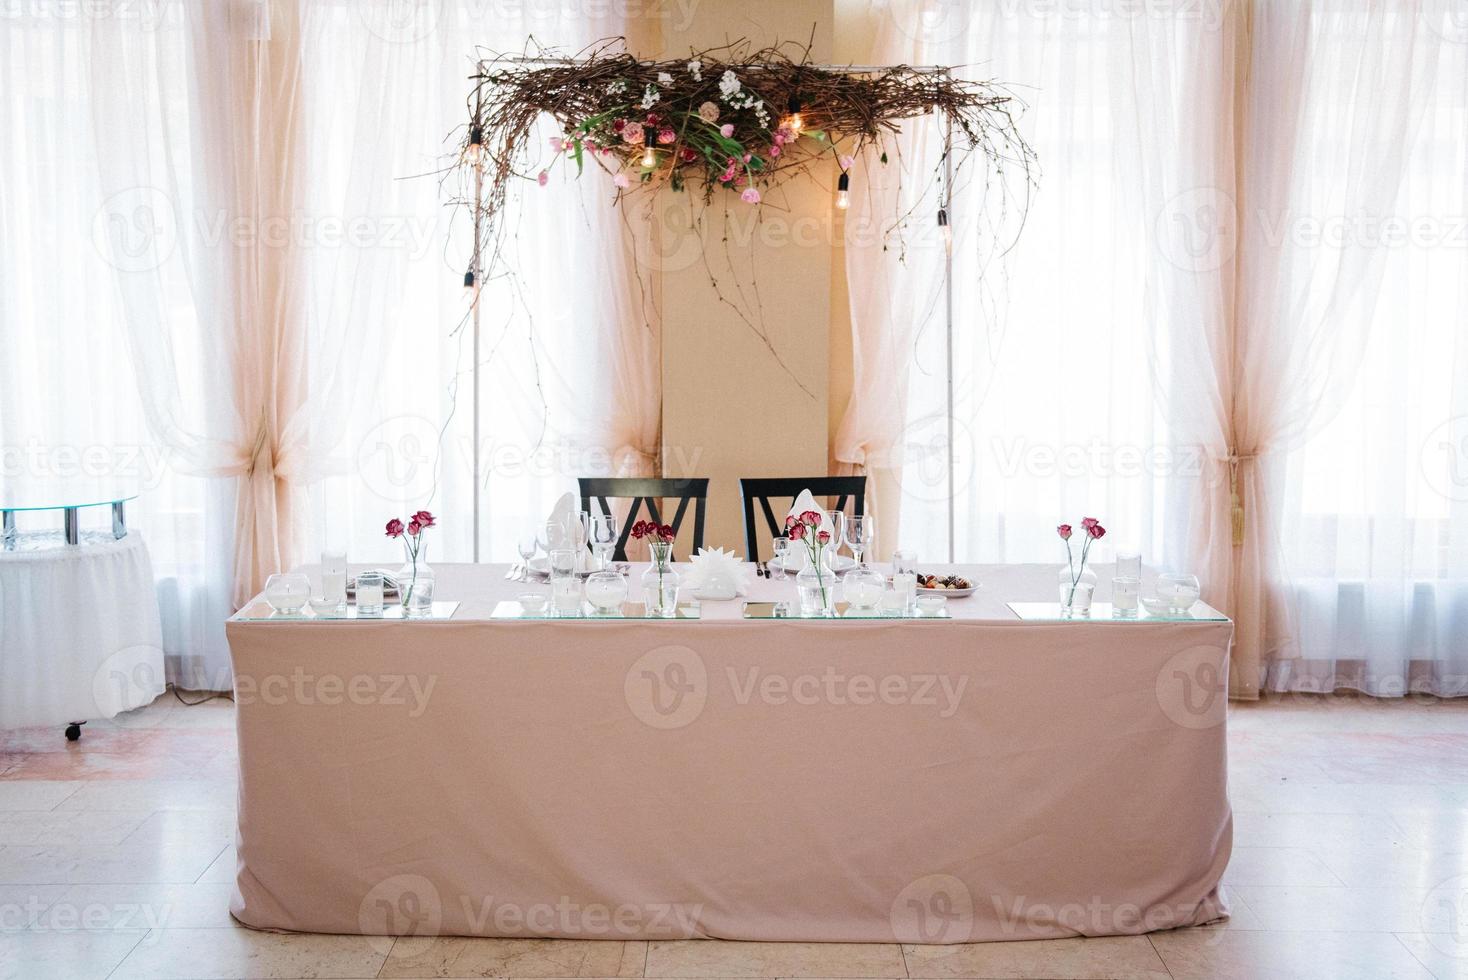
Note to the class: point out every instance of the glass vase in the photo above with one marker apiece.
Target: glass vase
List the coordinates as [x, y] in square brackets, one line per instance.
[660, 583]
[416, 583]
[1075, 593]
[815, 586]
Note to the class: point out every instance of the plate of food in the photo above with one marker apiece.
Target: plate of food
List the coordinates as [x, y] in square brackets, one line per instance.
[953, 586]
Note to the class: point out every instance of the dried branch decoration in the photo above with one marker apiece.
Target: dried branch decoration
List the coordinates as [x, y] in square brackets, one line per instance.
[724, 117]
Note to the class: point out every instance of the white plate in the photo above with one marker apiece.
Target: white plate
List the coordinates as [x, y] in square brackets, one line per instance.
[839, 564]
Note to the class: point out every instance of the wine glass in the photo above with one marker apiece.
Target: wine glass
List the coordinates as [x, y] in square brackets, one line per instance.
[780, 549]
[861, 531]
[603, 538]
[527, 544]
[837, 521]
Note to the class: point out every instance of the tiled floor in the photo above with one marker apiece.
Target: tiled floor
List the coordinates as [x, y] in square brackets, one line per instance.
[1350, 860]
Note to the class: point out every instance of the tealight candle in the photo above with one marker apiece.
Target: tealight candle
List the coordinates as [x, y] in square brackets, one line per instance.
[905, 585]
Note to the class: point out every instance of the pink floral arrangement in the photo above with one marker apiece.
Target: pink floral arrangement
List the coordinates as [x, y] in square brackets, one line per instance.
[659, 533]
[1094, 532]
[412, 535]
[806, 528]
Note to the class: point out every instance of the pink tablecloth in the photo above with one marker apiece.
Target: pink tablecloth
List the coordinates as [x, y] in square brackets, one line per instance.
[937, 781]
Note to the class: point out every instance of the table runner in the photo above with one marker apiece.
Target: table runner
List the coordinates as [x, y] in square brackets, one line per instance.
[922, 781]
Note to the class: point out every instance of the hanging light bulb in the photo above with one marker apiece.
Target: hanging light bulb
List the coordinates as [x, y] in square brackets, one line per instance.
[471, 289]
[843, 191]
[475, 150]
[649, 158]
[946, 230]
[793, 122]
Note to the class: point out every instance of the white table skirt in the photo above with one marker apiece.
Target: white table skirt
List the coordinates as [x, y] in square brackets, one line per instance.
[79, 632]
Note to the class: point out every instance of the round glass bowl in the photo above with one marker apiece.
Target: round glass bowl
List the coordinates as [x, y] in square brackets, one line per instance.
[863, 588]
[533, 603]
[931, 605]
[606, 591]
[1178, 591]
[287, 592]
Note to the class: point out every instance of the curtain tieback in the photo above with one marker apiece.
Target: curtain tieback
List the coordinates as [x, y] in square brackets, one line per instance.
[1236, 502]
[262, 441]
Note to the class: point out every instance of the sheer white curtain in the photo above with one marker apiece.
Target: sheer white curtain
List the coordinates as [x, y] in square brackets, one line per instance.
[233, 252]
[1055, 415]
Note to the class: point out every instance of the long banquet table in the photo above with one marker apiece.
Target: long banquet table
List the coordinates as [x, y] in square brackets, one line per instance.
[978, 778]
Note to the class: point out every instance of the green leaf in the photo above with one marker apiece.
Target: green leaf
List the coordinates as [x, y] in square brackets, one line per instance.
[816, 134]
[884, 156]
[576, 152]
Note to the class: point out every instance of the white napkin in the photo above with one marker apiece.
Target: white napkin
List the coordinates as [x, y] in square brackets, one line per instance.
[718, 574]
[806, 501]
[567, 515]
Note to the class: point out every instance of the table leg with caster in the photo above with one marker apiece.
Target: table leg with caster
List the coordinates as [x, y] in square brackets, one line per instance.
[74, 731]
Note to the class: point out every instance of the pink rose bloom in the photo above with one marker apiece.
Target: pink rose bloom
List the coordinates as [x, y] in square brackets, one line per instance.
[687, 155]
[727, 175]
[542, 178]
[1089, 522]
[1064, 532]
[726, 130]
[797, 532]
[785, 136]
[618, 125]
[811, 517]
[633, 134]
[666, 136]
[847, 162]
[557, 144]
[790, 522]
[775, 150]
[424, 518]
[394, 528]
[414, 528]
[824, 537]
[1096, 531]
[621, 181]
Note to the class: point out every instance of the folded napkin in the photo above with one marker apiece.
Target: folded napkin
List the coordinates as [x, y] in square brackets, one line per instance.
[718, 574]
[806, 501]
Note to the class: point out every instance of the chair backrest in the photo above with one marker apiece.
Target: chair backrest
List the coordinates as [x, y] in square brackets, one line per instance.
[761, 490]
[646, 493]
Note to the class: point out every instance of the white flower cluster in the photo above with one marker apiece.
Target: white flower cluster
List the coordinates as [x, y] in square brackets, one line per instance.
[664, 79]
[650, 97]
[617, 87]
[695, 68]
[729, 85]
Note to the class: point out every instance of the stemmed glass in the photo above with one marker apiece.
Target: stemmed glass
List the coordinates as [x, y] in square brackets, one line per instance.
[603, 538]
[861, 531]
[838, 529]
[527, 545]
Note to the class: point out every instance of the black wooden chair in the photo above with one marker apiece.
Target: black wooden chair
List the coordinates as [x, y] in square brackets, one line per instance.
[648, 493]
[763, 490]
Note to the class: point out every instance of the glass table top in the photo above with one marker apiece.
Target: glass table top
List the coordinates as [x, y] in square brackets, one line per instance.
[260, 610]
[628, 610]
[844, 611]
[17, 495]
[1102, 612]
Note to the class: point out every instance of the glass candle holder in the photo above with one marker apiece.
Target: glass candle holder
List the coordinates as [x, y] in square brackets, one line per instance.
[369, 594]
[1124, 595]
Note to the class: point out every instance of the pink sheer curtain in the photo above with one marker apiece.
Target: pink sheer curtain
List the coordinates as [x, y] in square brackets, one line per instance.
[1260, 332]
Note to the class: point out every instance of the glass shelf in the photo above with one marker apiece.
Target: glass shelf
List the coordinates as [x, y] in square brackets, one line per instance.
[24, 495]
[629, 610]
[1102, 612]
[844, 611]
[260, 611]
